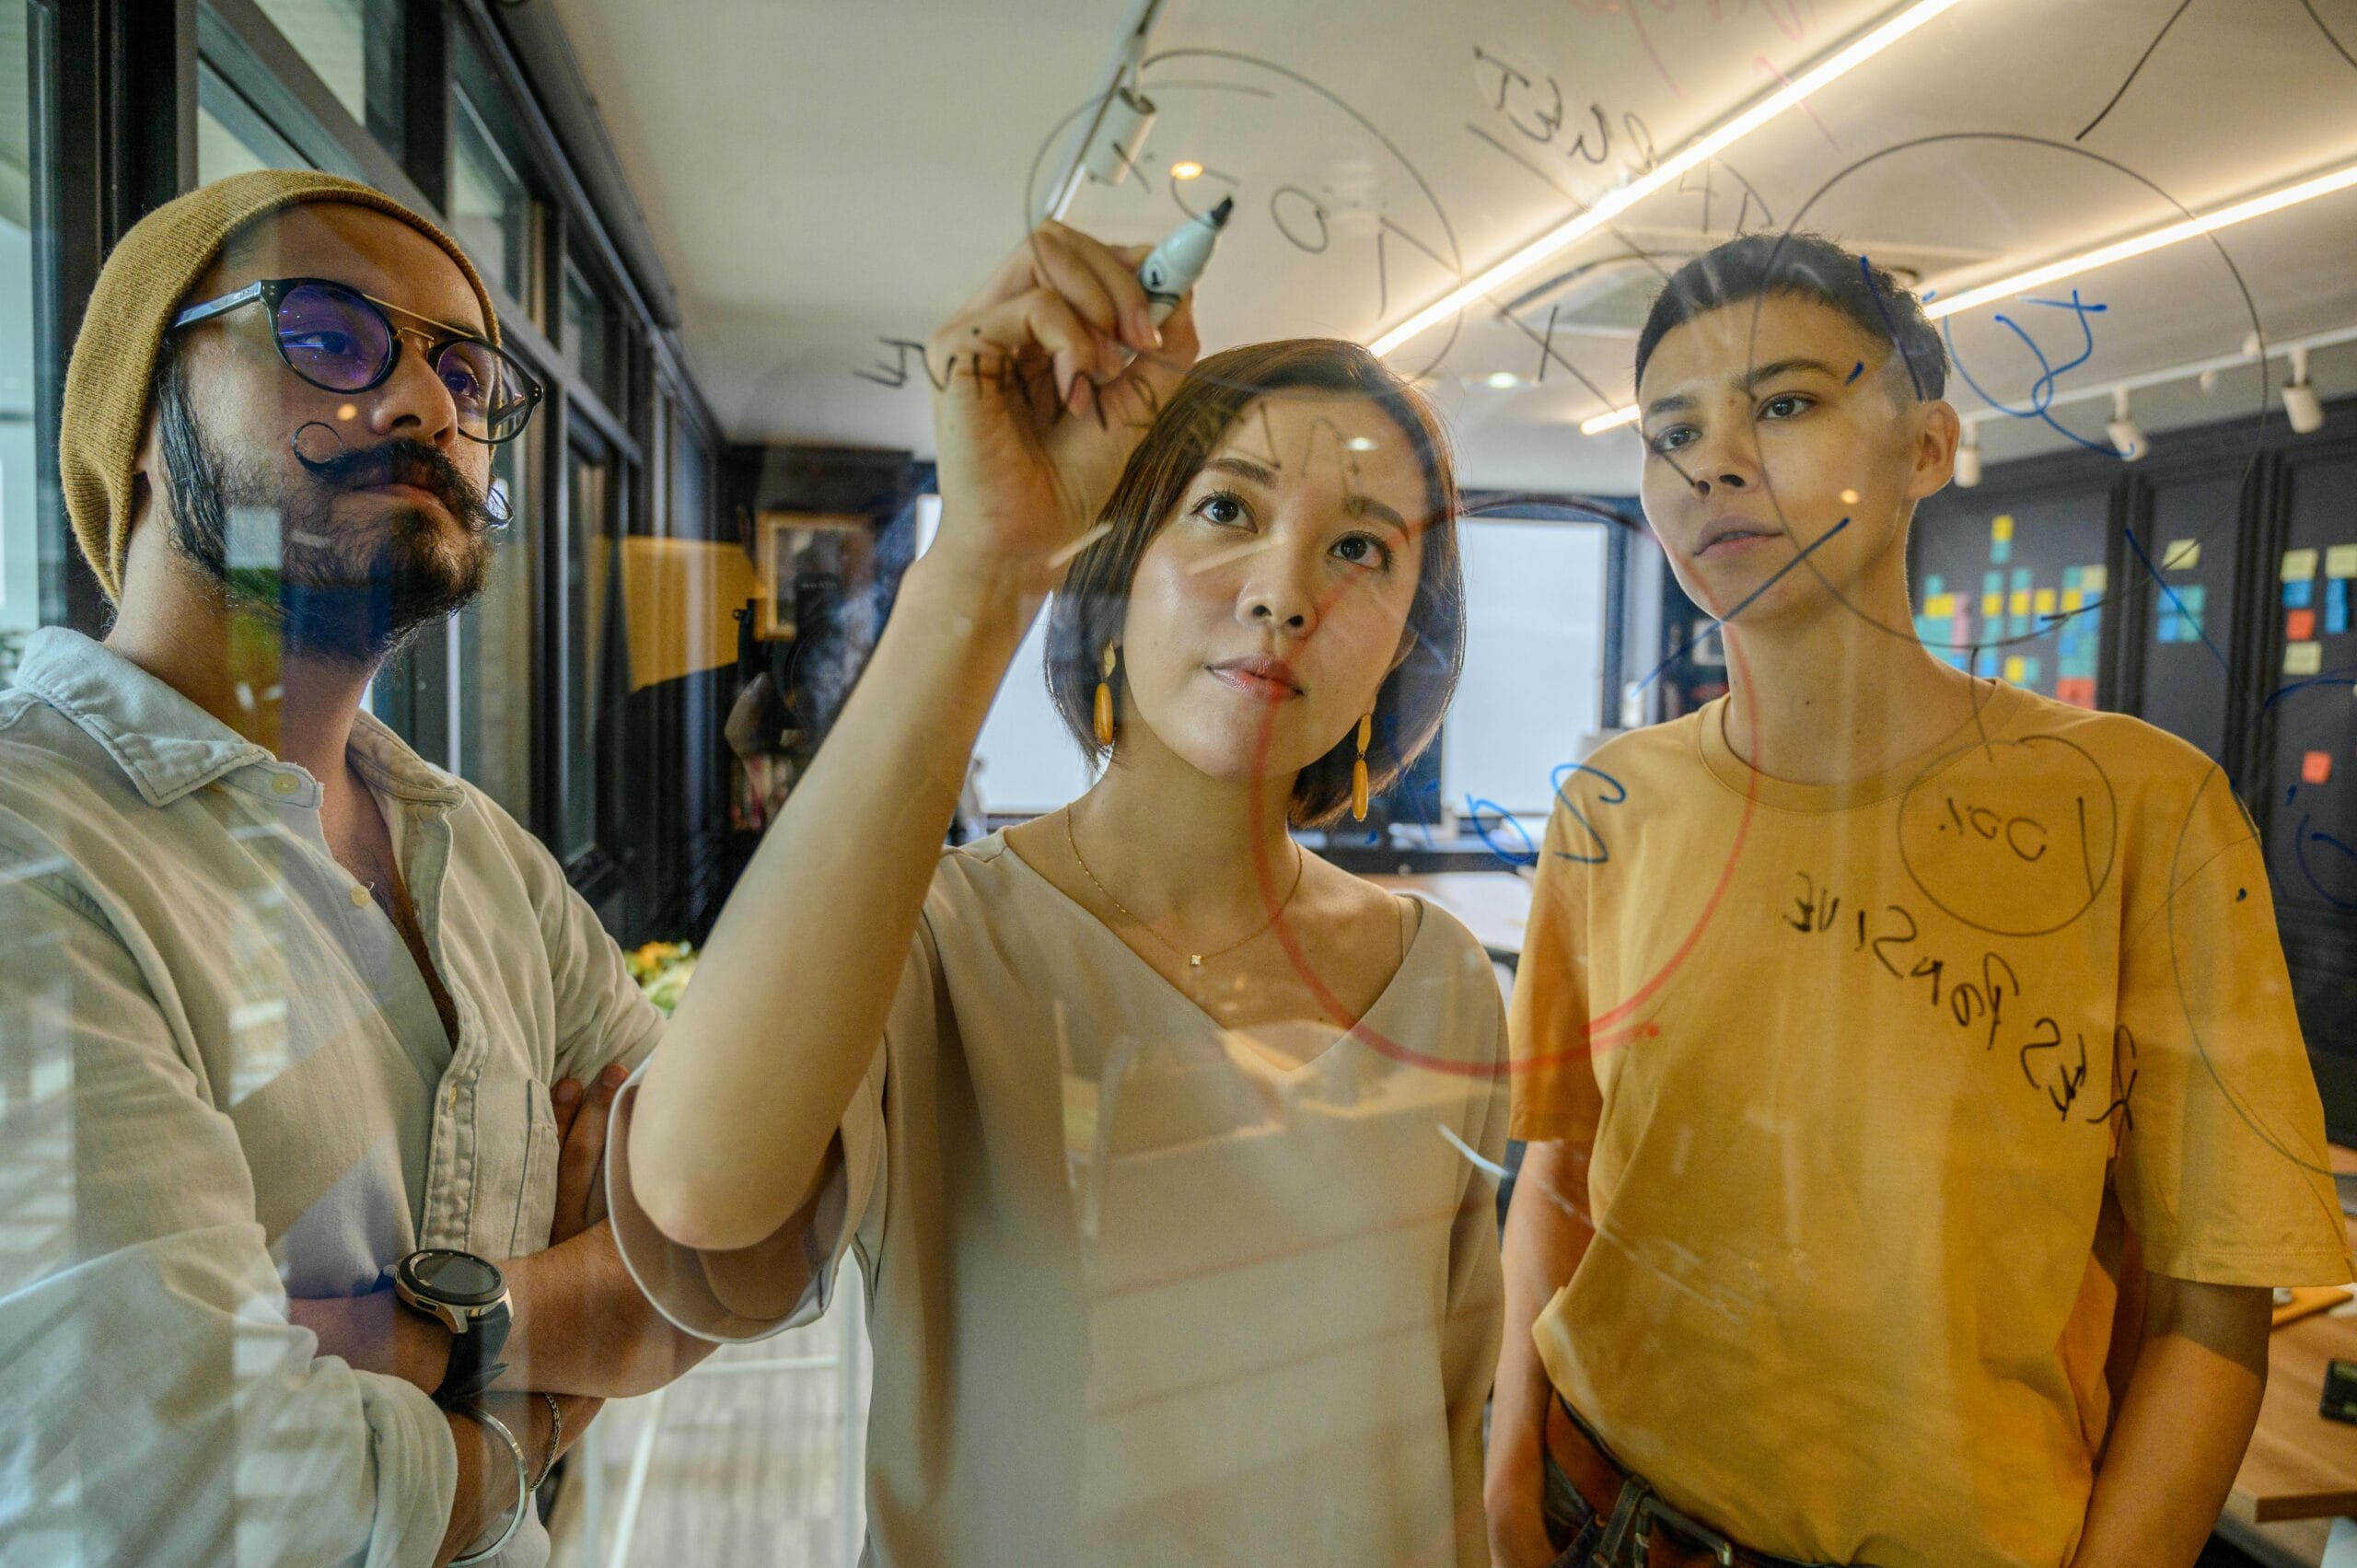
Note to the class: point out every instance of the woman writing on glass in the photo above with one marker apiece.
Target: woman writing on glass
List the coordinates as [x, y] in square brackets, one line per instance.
[1145, 1122]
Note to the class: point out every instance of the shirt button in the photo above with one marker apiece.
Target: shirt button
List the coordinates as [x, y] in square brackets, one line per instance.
[359, 895]
[285, 784]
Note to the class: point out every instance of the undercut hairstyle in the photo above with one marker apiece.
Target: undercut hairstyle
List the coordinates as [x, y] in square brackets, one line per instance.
[1091, 608]
[1812, 267]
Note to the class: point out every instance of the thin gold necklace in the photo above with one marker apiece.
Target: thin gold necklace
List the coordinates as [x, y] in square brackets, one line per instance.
[1195, 960]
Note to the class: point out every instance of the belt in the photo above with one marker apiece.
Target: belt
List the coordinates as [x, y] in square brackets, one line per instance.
[1629, 1525]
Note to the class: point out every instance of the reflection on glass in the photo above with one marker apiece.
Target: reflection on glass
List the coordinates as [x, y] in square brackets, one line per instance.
[491, 210]
[354, 45]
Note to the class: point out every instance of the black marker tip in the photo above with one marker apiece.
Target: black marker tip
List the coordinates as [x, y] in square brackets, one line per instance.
[1219, 214]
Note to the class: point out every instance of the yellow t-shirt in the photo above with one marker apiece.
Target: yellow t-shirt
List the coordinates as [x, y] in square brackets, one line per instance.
[1873, 1073]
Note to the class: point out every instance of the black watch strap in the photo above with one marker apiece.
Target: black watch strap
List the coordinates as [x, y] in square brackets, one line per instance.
[474, 1358]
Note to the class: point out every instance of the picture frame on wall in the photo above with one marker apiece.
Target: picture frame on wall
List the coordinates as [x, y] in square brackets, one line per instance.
[804, 556]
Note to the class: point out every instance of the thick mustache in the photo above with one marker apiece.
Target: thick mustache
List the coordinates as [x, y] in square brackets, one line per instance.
[403, 461]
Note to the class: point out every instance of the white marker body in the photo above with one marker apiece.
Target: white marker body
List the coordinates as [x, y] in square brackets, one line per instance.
[1171, 270]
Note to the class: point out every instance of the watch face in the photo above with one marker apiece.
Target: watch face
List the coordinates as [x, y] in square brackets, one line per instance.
[459, 1278]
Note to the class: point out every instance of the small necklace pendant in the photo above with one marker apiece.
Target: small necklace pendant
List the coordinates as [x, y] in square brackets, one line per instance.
[1195, 960]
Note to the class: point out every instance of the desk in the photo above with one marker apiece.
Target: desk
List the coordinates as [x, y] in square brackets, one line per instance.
[2299, 1466]
[1494, 905]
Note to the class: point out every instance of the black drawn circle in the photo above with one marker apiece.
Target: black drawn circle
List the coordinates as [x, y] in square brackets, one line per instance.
[1961, 905]
[2128, 577]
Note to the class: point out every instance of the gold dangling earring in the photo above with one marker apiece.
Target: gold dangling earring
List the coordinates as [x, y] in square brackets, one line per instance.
[1105, 698]
[1358, 769]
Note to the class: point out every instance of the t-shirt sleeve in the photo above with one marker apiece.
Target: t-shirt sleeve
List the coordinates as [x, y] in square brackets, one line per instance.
[2222, 1168]
[1555, 1092]
[788, 1278]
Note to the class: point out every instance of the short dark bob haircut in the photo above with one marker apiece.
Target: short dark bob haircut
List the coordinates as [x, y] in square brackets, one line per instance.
[1813, 267]
[1090, 610]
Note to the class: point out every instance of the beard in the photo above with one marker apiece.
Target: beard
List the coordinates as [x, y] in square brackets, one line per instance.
[272, 549]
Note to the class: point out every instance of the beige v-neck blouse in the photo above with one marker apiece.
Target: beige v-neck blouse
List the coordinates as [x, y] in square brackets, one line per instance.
[1136, 1294]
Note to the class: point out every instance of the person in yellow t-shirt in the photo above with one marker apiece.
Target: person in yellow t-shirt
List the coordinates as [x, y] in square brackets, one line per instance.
[1918, 1116]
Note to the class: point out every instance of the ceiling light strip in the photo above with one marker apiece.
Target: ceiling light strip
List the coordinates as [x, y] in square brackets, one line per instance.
[2088, 260]
[2153, 240]
[1691, 155]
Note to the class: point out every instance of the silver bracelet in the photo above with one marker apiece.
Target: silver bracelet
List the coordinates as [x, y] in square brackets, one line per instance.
[523, 1486]
[556, 1439]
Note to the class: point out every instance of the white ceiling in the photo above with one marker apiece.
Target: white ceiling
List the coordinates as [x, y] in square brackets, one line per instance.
[820, 174]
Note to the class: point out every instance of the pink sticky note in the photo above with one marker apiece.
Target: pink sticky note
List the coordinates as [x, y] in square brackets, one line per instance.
[2316, 767]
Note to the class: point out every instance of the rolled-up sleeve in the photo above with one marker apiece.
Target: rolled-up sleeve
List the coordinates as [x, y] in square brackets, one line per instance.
[788, 1278]
[161, 1407]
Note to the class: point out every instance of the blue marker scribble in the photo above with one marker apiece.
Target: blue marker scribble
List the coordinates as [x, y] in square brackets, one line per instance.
[1620, 793]
[1855, 371]
[1473, 809]
[2041, 391]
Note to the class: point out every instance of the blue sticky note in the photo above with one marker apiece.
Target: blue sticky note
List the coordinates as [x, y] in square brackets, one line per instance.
[2001, 551]
[1935, 585]
[2336, 607]
[2300, 595]
[2029, 671]
[1992, 582]
[2021, 577]
[2195, 597]
[2070, 576]
[1986, 663]
[2169, 630]
[2017, 626]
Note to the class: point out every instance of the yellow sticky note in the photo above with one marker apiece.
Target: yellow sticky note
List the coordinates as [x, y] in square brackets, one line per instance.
[2014, 671]
[2182, 556]
[2092, 578]
[1992, 604]
[2001, 526]
[2019, 603]
[2072, 598]
[1942, 607]
[2299, 566]
[2045, 602]
[2340, 560]
[2302, 658]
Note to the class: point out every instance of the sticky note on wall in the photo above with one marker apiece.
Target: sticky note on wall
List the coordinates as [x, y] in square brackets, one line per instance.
[2302, 658]
[2001, 527]
[2300, 625]
[2092, 578]
[2340, 560]
[2182, 556]
[2045, 602]
[2315, 767]
[2299, 566]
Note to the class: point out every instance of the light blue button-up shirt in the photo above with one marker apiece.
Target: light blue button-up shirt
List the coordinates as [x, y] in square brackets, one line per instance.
[224, 1082]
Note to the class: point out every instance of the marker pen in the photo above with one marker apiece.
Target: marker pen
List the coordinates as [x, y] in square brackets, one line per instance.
[1175, 264]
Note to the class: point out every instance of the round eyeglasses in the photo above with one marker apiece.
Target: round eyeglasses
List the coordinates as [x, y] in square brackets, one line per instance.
[341, 340]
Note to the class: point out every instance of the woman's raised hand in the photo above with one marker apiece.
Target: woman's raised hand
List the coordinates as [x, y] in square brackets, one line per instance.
[1035, 409]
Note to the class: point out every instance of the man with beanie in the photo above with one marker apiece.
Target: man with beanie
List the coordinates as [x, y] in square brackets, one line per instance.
[306, 1262]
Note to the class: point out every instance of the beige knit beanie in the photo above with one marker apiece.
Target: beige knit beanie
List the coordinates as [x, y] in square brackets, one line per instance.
[111, 375]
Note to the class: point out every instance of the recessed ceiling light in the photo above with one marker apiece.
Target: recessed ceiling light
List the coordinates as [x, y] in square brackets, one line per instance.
[1502, 379]
[1362, 443]
[1186, 168]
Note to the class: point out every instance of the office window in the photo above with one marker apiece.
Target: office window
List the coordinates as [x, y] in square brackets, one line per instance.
[592, 338]
[588, 649]
[492, 651]
[231, 135]
[491, 210]
[355, 48]
[1532, 690]
[1029, 762]
[19, 522]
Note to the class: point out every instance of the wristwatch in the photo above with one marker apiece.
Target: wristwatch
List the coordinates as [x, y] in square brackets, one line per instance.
[467, 1297]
